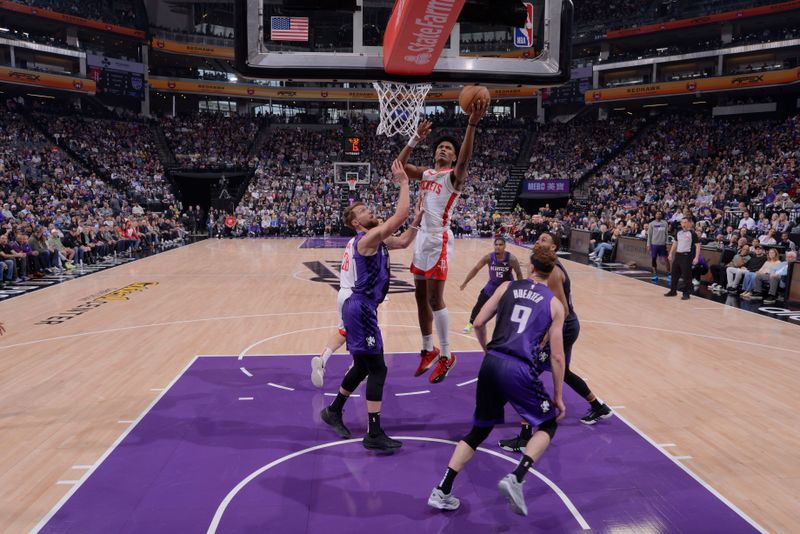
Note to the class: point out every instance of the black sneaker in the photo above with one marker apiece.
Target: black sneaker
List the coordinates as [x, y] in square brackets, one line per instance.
[671, 294]
[685, 297]
[515, 444]
[594, 415]
[769, 300]
[381, 442]
[334, 420]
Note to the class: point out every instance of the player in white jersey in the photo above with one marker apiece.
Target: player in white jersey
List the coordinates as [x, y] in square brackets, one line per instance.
[439, 190]
[347, 280]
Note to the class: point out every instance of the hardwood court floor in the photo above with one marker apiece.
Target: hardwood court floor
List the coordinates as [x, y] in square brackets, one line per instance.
[717, 382]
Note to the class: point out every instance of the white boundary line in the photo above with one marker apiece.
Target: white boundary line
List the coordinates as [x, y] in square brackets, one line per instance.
[212, 528]
[681, 457]
[280, 386]
[67, 482]
[412, 393]
[99, 462]
[246, 398]
[697, 479]
[247, 373]
[462, 384]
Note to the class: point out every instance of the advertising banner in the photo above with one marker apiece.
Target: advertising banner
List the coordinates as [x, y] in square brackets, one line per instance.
[46, 79]
[191, 49]
[70, 19]
[701, 85]
[556, 187]
[307, 93]
[707, 19]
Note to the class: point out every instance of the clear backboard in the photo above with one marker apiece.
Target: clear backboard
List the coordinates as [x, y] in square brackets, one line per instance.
[493, 41]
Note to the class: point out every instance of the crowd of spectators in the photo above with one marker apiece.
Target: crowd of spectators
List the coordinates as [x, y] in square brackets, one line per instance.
[567, 151]
[55, 214]
[210, 140]
[766, 36]
[124, 151]
[126, 13]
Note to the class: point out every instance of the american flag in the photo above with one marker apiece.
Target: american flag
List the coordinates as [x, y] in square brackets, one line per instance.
[289, 29]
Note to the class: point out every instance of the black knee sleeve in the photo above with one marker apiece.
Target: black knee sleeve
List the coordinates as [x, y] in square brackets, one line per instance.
[376, 377]
[577, 383]
[549, 427]
[355, 375]
[477, 436]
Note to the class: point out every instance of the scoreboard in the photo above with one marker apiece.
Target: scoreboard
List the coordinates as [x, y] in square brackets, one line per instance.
[116, 77]
[353, 146]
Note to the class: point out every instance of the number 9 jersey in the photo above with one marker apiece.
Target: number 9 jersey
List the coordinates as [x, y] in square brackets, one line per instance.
[523, 319]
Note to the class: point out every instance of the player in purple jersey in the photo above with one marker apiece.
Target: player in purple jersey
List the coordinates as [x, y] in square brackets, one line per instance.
[500, 263]
[527, 311]
[561, 286]
[360, 312]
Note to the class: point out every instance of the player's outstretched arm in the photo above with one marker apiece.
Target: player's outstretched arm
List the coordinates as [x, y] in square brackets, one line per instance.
[557, 359]
[515, 265]
[460, 172]
[486, 313]
[369, 243]
[414, 172]
[556, 284]
[407, 237]
[474, 271]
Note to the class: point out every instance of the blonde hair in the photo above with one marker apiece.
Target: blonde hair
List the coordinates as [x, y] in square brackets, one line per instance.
[349, 214]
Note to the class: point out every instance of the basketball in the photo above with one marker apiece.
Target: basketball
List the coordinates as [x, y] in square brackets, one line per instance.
[470, 93]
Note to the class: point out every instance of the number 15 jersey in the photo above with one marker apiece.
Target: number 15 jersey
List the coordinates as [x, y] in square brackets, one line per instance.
[523, 319]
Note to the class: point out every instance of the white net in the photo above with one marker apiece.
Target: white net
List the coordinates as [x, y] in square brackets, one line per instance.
[401, 106]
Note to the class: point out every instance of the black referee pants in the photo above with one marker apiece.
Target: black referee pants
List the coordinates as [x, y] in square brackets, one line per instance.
[682, 268]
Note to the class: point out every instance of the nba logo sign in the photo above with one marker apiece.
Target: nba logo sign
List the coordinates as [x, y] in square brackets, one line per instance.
[523, 37]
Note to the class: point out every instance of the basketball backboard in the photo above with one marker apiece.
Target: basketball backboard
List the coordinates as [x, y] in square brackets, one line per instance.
[494, 41]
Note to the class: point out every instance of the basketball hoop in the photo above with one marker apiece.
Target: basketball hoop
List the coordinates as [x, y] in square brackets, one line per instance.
[401, 106]
[351, 183]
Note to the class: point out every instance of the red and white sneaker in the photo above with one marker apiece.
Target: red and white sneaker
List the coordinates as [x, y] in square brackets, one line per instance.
[443, 366]
[427, 358]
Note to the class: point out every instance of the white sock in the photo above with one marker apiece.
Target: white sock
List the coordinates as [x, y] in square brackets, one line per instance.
[441, 319]
[427, 343]
[326, 354]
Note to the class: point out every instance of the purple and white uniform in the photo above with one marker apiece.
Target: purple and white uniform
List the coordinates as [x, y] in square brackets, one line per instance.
[499, 272]
[360, 311]
[509, 372]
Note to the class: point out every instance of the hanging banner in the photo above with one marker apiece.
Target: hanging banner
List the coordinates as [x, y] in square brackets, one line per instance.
[551, 187]
[707, 19]
[71, 19]
[45, 79]
[316, 94]
[701, 85]
[191, 49]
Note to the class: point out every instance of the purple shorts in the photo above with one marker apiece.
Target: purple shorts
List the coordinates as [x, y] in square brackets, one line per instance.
[658, 250]
[503, 380]
[360, 317]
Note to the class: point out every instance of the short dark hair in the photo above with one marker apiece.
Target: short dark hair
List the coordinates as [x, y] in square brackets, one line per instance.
[496, 239]
[555, 237]
[448, 139]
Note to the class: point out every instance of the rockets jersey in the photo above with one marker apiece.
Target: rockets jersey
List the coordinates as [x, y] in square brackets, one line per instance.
[372, 272]
[523, 319]
[347, 275]
[439, 199]
[499, 272]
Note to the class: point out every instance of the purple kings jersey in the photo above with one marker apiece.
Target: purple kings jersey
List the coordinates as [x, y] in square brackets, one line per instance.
[499, 272]
[523, 319]
[372, 272]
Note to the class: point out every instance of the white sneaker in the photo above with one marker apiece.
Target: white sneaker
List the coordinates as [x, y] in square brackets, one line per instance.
[443, 501]
[512, 491]
[317, 371]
